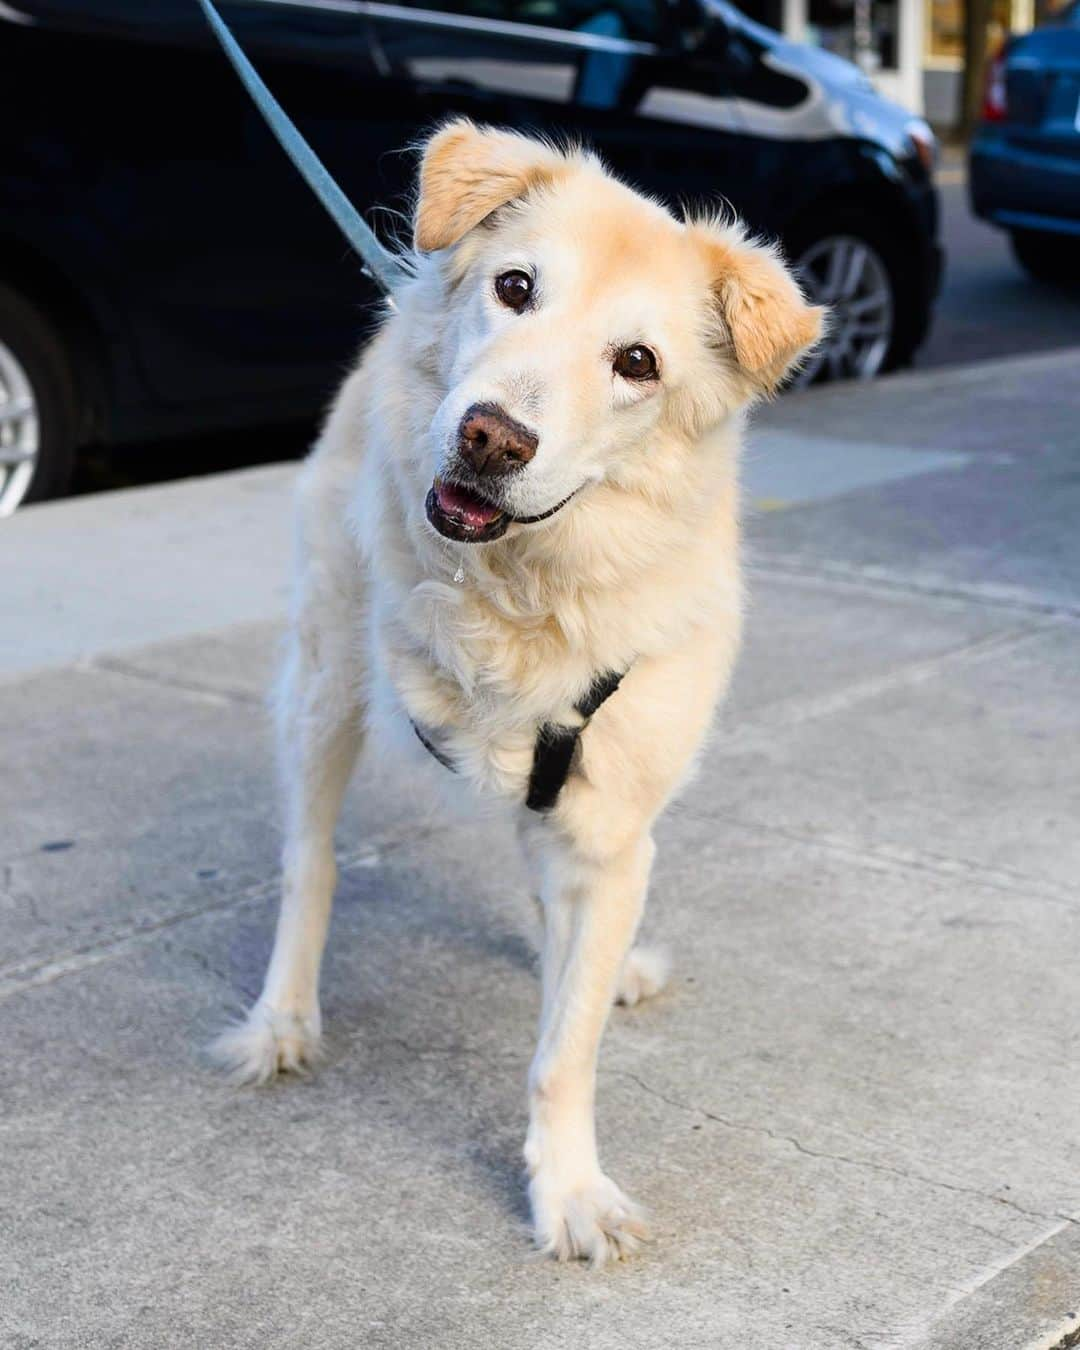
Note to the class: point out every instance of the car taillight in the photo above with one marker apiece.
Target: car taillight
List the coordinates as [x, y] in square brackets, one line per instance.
[995, 106]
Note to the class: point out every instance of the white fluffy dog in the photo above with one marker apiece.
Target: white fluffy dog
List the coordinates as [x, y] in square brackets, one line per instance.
[519, 559]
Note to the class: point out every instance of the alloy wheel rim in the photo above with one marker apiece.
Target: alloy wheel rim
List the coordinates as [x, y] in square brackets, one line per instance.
[847, 274]
[20, 431]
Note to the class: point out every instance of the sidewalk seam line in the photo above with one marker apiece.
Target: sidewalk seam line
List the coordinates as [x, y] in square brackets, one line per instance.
[36, 972]
[109, 665]
[990, 1273]
[874, 580]
[896, 862]
[744, 739]
[788, 714]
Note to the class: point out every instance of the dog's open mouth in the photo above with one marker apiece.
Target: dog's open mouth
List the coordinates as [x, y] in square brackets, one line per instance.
[458, 512]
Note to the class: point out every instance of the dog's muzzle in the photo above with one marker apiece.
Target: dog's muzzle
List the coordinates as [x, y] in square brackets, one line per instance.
[491, 447]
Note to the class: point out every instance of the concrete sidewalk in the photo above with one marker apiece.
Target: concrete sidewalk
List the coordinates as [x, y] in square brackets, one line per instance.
[855, 1116]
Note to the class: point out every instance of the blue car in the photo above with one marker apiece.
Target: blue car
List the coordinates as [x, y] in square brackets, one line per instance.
[1025, 158]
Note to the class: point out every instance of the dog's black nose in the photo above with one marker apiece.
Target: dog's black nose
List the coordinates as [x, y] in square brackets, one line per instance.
[491, 442]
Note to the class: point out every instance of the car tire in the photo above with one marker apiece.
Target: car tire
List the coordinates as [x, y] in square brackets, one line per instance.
[1048, 257]
[865, 336]
[38, 406]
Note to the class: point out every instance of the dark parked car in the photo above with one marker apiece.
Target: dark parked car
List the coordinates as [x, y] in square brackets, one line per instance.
[1025, 159]
[163, 268]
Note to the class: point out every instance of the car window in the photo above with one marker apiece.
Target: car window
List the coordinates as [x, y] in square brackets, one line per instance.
[634, 19]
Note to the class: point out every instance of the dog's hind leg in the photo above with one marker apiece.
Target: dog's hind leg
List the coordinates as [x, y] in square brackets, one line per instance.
[592, 910]
[644, 972]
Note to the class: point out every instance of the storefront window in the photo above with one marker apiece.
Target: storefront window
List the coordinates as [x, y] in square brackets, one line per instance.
[945, 28]
[859, 30]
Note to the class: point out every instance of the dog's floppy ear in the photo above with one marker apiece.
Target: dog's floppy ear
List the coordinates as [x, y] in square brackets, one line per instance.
[467, 171]
[764, 314]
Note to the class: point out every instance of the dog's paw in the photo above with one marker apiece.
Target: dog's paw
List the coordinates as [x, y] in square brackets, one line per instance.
[594, 1222]
[266, 1043]
[644, 973]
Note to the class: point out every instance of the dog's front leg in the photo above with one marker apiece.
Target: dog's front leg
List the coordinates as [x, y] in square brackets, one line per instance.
[591, 911]
[319, 723]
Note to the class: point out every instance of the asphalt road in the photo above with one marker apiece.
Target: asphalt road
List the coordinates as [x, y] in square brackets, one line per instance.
[989, 308]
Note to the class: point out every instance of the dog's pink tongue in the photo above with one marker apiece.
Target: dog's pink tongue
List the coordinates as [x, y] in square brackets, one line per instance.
[460, 502]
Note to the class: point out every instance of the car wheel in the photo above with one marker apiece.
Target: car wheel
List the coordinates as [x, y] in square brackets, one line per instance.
[848, 273]
[37, 406]
[1048, 257]
[868, 273]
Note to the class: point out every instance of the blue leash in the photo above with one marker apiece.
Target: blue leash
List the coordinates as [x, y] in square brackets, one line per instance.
[386, 270]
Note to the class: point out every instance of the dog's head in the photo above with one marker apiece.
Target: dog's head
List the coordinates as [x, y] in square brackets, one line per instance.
[582, 326]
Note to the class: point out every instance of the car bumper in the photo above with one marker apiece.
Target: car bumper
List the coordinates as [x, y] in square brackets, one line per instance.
[1024, 186]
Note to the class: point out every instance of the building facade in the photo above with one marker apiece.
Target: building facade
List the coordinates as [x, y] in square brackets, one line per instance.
[912, 49]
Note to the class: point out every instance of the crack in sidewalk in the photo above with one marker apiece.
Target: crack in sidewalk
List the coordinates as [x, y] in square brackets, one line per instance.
[862, 1163]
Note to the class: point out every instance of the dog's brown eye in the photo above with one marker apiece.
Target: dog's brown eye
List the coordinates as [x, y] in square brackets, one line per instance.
[514, 289]
[635, 363]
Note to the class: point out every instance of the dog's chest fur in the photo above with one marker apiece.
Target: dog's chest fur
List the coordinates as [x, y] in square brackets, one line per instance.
[480, 681]
[480, 666]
